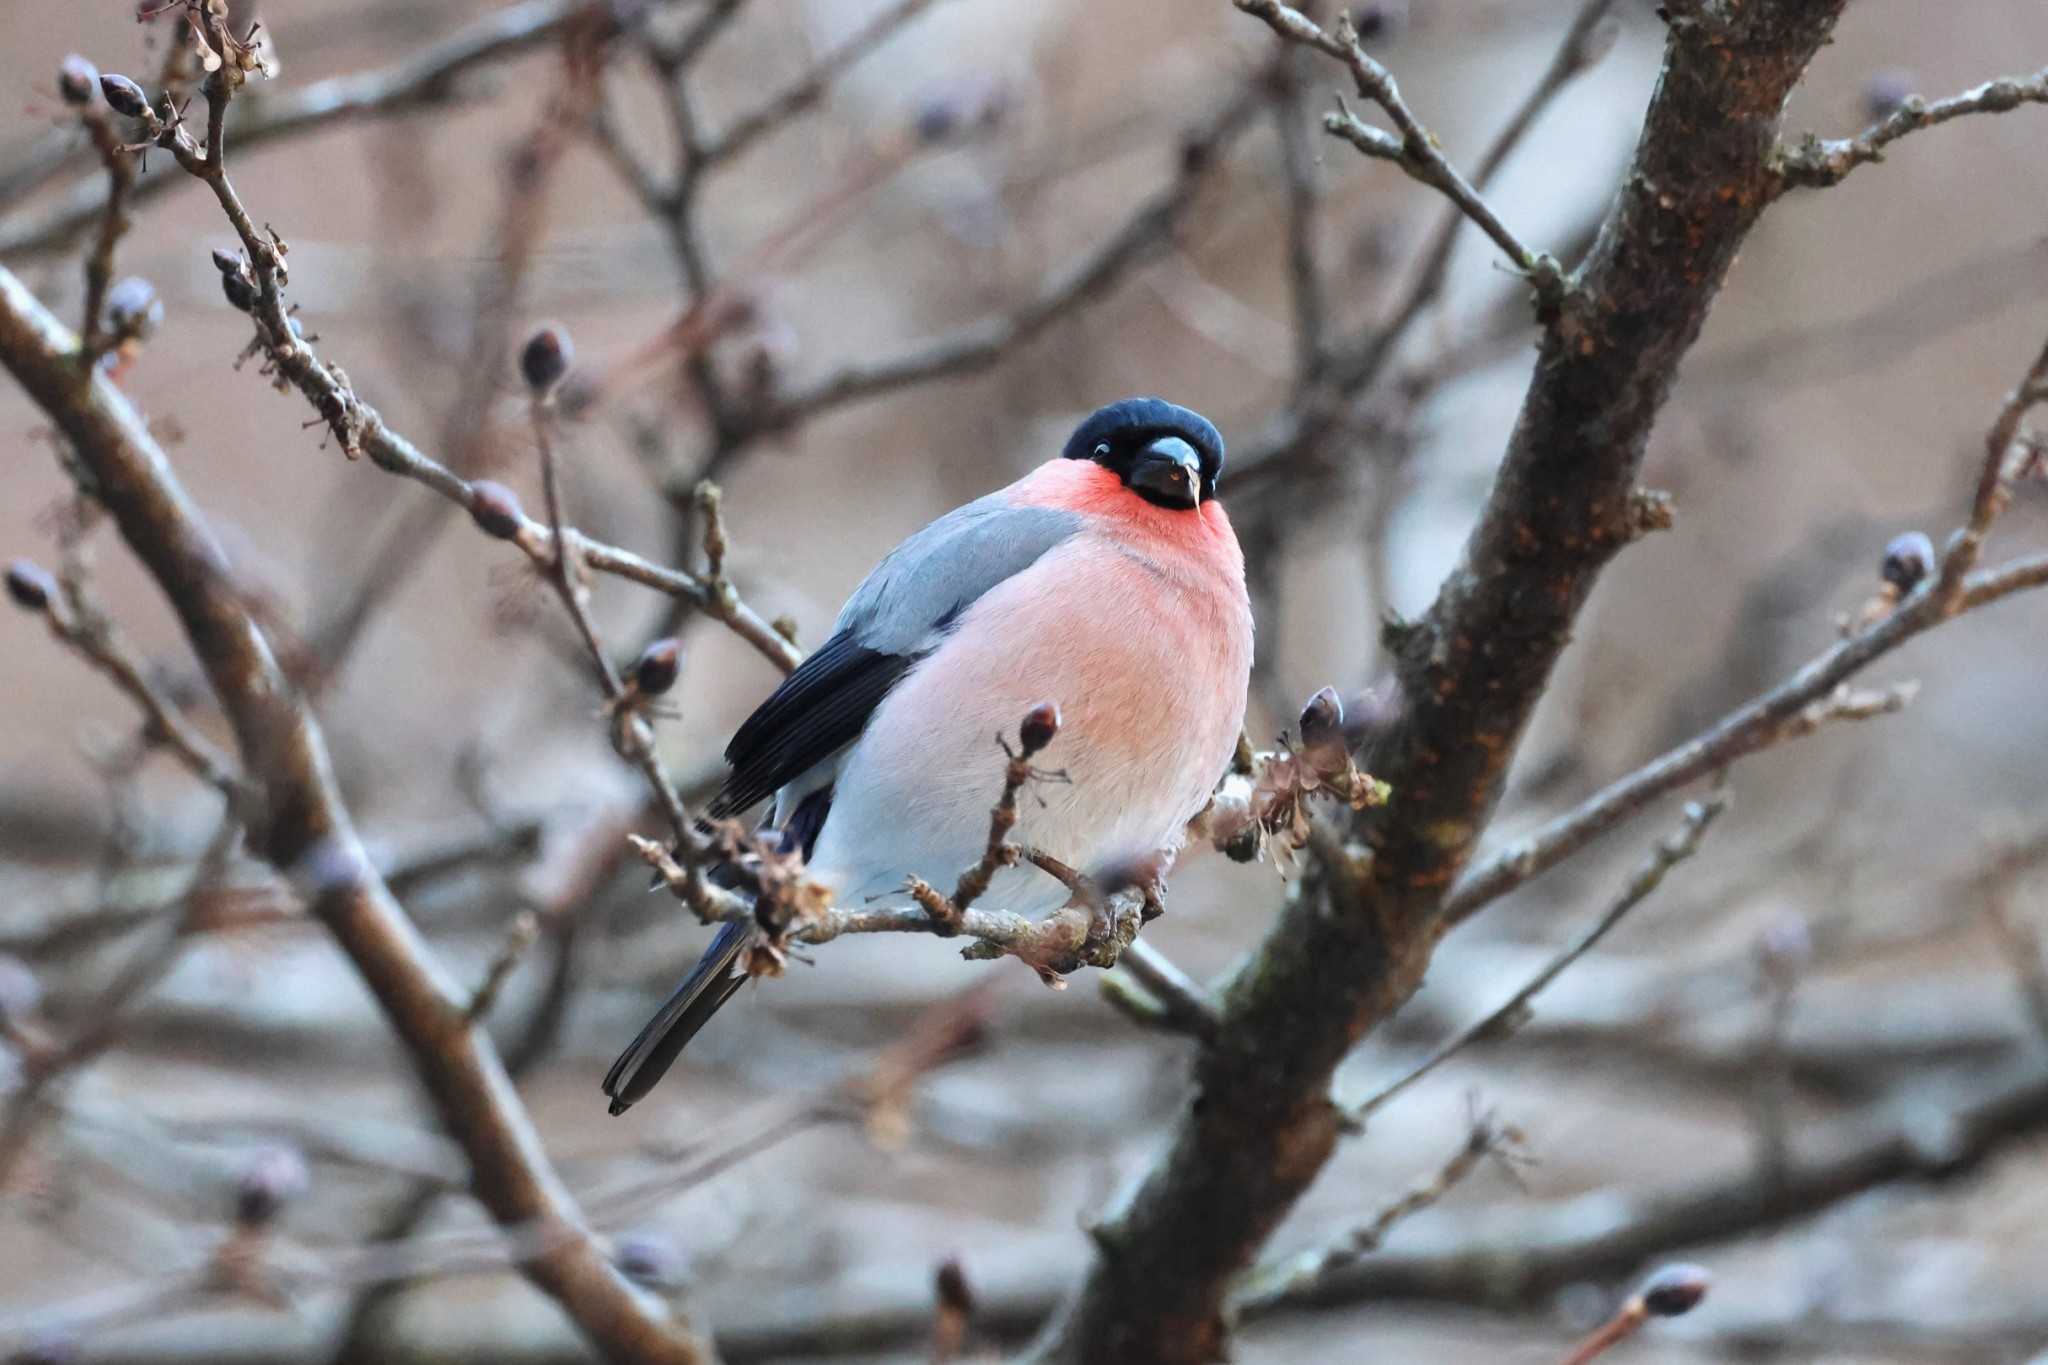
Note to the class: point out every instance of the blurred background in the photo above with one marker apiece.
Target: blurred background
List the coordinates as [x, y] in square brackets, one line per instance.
[1850, 952]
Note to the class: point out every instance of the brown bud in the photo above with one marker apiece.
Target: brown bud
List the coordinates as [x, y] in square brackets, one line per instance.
[1886, 91]
[1382, 20]
[1907, 560]
[1322, 720]
[273, 1178]
[545, 358]
[495, 508]
[241, 294]
[1041, 723]
[30, 584]
[77, 80]
[659, 663]
[124, 96]
[950, 1285]
[649, 1259]
[1674, 1290]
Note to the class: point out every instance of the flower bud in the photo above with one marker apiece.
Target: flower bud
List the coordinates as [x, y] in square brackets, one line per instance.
[951, 1288]
[648, 1259]
[495, 508]
[1674, 1290]
[659, 663]
[30, 584]
[240, 293]
[273, 1178]
[1041, 723]
[1322, 719]
[1885, 91]
[1907, 560]
[77, 80]
[133, 309]
[124, 96]
[545, 358]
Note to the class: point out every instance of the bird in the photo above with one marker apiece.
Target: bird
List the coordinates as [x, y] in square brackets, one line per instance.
[1107, 581]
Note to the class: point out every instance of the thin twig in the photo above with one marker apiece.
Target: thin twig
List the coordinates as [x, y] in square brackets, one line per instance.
[307, 832]
[808, 89]
[1267, 1285]
[518, 939]
[76, 621]
[1816, 162]
[1810, 696]
[1158, 992]
[1083, 283]
[427, 78]
[1415, 151]
[1669, 853]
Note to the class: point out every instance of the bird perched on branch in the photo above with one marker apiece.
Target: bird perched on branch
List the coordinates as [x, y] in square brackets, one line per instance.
[1108, 582]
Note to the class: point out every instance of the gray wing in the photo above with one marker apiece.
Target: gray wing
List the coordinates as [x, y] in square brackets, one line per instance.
[928, 580]
[897, 615]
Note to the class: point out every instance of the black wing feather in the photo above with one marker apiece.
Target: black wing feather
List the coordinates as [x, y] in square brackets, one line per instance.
[820, 708]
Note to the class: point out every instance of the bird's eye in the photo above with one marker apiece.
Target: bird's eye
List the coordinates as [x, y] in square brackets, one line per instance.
[1102, 450]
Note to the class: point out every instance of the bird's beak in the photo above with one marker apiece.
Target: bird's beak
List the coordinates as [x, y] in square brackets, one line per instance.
[1170, 470]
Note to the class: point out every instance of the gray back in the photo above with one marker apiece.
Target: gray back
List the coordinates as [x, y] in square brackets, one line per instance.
[936, 574]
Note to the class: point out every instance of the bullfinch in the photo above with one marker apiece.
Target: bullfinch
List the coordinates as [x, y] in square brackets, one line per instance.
[1108, 582]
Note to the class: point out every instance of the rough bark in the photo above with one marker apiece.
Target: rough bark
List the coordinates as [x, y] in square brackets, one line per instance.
[1354, 941]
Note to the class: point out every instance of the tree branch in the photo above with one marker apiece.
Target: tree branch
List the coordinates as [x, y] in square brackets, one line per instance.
[1415, 151]
[1816, 162]
[1669, 853]
[304, 830]
[1353, 945]
[425, 79]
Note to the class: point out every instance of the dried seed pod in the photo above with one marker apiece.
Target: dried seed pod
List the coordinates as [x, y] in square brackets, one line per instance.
[30, 585]
[124, 96]
[545, 358]
[77, 80]
[1041, 723]
[1907, 560]
[495, 508]
[659, 663]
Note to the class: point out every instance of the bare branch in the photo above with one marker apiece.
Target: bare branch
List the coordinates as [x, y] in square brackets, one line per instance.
[1084, 283]
[1810, 697]
[1356, 940]
[76, 621]
[1669, 853]
[425, 79]
[809, 88]
[1158, 992]
[1415, 150]
[1816, 162]
[306, 832]
[1290, 1277]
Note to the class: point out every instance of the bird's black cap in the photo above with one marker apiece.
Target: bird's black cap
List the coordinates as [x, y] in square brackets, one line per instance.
[1128, 426]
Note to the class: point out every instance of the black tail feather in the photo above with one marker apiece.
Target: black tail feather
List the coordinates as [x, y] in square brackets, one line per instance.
[709, 985]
